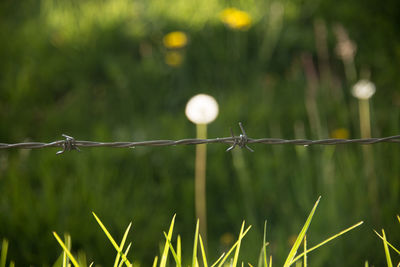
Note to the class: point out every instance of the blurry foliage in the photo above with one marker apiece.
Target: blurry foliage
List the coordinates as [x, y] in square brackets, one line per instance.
[96, 70]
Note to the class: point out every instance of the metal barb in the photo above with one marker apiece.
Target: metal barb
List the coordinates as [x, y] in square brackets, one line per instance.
[234, 141]
[241, 141]
[68, 145]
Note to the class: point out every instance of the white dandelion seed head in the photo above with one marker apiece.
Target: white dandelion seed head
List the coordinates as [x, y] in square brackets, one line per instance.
[202, 109]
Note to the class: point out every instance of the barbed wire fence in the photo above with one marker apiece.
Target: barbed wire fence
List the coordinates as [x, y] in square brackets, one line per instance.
[233, 141]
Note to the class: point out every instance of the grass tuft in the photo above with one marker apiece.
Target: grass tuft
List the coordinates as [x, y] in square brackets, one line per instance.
[177, 259]
[119, 250]
[164, 256]
[235, 259]
[329, 239]
[387, 242]
[203, 253]
[296, 245]
[263, 260]
[196, 234]
[66, 250]
[387, 253]
[117, 258]
[234, 246]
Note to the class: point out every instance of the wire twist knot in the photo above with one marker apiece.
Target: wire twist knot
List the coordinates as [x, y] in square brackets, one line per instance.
[240, 140]
[68, 145]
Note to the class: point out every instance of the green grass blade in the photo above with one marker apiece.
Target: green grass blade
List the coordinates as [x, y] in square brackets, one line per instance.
[119, 250]
[91, 264]
[270, 261]
[196, 234]
[12, 264]
[164, 256]
[328, 239]
[116, 262]
[398, 218]
[387, 253]
[203, 252]
[126, 253]
[293, 251]
[178, 263]
[67, 239]
[179, 248]
[155, 261]
[261, 259]
[265, 244]
[82, 261]
[249, 264]
[233, 247]
[220, 257]
[236, 257]
[4, 250]
[73, 260]
[366, 264]
[59, 260]
[305, 251]
[381, 237]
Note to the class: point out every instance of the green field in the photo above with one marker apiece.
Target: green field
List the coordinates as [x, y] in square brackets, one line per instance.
[105, 71]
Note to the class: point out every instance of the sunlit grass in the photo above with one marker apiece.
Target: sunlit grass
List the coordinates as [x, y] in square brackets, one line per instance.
[3, 255]
[386, 246]
[66, 251]
[232, 254]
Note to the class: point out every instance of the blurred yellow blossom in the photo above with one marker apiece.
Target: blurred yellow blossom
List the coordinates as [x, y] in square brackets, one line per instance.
[173, 58]
[175, 40]
[227, 239]
[340, 133]
[236, 19]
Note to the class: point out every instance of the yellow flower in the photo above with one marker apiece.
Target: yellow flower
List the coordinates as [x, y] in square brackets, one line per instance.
[227, 239]
[236, 19]
[173, 58]
[340, 133]
[175, 40]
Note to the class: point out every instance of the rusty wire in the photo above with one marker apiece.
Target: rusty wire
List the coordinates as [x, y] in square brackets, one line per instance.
[241, 141]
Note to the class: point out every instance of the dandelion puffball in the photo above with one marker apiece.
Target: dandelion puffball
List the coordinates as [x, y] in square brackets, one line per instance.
[363, 89]
[201, 109]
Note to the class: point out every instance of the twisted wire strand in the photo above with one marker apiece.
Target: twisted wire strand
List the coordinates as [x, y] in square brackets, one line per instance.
[242, 141]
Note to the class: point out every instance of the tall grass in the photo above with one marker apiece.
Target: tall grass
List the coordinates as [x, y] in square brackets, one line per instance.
[96, 70]
[226, 259]
[300, 259]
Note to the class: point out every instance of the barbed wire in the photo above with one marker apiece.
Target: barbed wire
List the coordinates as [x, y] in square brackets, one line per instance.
[241, 141]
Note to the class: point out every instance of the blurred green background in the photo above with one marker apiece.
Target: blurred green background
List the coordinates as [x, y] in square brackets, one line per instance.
[100, 70]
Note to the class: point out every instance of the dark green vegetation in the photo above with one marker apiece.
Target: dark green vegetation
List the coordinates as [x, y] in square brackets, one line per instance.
[95, 70]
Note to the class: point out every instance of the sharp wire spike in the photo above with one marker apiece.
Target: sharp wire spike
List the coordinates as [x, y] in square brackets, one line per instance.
[234, 141]
[68, 145]
[241, 141]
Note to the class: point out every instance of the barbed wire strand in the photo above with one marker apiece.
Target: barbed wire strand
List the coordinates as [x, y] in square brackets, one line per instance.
[241, 141]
